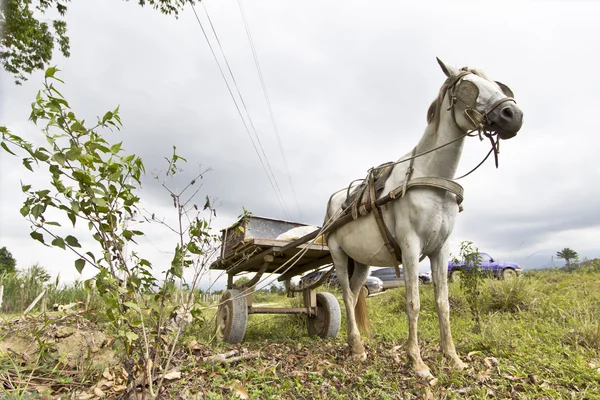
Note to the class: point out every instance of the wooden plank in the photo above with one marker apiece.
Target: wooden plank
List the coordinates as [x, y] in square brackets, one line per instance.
[282, 243]
[266, 310]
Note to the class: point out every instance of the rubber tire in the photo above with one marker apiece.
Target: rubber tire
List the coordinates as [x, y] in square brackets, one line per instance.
[455, 275]
[509, 273]
[326, 324]
[232, 316]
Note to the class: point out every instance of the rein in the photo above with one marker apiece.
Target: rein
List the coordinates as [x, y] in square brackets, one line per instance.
[477, 119]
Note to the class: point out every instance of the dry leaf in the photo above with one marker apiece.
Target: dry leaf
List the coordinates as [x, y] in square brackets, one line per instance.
[99, 393]
[104, 384]
[107, 375]
[119, 388]
[433, 382]
[491, 362]
[512, 378]
[193, 345]
[484, 376]
[172, 375]
[395, 349]
[239, 391]
[428, 395]
[85, 396]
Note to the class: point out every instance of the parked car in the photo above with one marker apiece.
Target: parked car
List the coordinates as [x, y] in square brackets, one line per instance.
[390, 280]
[499, 269]
[373, 284]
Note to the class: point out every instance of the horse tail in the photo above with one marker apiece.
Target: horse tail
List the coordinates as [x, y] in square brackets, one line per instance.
[360, 312]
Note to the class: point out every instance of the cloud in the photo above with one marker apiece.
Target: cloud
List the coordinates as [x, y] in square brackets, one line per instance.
[349, 87]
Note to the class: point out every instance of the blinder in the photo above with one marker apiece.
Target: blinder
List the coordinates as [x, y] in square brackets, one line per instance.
[467, 93]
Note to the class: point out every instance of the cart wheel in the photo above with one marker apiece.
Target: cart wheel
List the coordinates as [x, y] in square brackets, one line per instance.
[232, 316]
[326, 323]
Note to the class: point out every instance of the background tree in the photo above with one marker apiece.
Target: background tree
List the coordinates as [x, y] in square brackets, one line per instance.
[27, 40]
[7, 261]
[567, 254]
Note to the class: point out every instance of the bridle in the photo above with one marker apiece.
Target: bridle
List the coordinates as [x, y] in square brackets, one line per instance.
[479, 120]
[465, 93]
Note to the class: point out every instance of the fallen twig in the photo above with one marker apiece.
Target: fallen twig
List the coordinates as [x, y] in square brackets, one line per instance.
[230, 357]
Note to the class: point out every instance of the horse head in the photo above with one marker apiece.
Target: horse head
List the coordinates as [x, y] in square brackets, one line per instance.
[479, 103]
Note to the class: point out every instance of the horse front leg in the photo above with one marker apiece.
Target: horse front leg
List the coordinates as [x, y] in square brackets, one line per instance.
[439, 269]
[410, 262]
[341, 261]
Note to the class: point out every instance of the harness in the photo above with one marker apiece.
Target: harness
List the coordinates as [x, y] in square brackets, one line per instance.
[365, 198]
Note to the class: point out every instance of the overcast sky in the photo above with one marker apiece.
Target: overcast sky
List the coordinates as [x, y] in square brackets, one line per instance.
[349, 83]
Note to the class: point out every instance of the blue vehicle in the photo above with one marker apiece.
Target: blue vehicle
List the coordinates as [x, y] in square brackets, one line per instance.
[499, 269]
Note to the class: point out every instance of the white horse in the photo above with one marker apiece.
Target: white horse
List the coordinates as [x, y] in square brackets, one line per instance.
[422, 218]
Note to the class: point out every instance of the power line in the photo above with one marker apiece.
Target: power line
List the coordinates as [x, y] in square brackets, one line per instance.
[246, 109]
[264, 87]
[275, 187]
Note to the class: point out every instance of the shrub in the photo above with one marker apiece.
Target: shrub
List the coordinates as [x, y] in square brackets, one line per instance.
[509, 295]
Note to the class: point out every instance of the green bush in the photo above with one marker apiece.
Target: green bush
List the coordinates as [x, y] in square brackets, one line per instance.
[508, 295]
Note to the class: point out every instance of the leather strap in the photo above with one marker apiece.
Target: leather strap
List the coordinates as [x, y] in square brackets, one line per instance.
[386, 235]
[434, 181]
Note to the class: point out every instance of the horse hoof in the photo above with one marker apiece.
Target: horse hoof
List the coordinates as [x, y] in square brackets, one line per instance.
[459, 365]
[359, 357]
[424, 373]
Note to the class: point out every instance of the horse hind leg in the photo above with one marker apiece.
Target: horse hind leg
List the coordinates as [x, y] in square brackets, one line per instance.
[341, 262]
[357, 281]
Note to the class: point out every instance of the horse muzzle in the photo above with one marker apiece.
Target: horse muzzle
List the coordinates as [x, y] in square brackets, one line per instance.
[506, 119]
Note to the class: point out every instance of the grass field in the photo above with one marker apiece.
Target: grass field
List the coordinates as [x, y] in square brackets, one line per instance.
[540, 339]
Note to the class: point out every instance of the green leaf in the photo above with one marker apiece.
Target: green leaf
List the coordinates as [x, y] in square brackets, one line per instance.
[5, 147]
[73, 153]
[72, 218]
[24, 210]
[60, 159]
[72, 241]
[27, 164]
[132, 305]
[59, 242]
[40, 155]
[50, 72]
[132, 336]
[89, 253]
[37, 236]
[37, 210]
[79, 264]
[25, 188]
[115, 148]
[107, 116]
[100, 202]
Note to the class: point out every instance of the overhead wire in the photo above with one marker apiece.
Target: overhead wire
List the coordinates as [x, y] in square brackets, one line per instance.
[271, 177]
[264, 159]
[265, 92]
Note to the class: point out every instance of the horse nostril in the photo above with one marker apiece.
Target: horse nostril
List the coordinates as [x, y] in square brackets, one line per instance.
[507, 113]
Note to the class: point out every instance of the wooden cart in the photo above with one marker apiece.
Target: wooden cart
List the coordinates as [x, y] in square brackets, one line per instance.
[251, 245]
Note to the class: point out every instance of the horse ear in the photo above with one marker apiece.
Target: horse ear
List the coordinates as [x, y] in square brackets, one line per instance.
[448, 69]
[505, 89]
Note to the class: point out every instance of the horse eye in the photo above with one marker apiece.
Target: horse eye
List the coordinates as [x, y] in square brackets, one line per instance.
[506, 90]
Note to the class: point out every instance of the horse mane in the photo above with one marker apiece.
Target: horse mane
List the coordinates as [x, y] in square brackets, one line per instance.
[433, 113]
